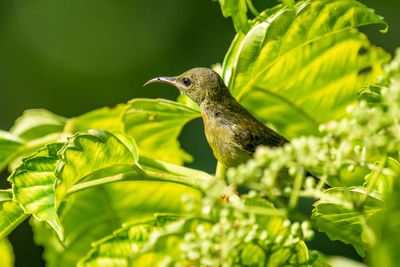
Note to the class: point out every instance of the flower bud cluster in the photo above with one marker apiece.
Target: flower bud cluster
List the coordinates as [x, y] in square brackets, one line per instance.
[350, 145]
[231, 232]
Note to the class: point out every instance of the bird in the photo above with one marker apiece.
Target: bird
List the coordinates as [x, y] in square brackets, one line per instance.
[232, 132]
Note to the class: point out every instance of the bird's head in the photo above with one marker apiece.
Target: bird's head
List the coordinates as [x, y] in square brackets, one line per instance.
[198, 84]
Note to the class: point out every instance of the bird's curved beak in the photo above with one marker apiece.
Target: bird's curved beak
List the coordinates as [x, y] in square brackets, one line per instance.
[169, 80]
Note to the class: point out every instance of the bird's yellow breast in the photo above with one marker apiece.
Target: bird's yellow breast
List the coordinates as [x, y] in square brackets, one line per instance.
[220, 139]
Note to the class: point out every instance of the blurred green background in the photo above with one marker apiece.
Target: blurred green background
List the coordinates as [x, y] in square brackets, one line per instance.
[73, 56]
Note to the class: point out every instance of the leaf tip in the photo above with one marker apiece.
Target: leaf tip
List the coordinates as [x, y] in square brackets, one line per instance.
[385, 30]
[56, 225]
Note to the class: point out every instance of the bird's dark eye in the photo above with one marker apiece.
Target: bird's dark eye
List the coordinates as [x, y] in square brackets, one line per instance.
[187, 81]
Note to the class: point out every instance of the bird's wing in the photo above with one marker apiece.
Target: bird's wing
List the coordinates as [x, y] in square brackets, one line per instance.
[250, 137]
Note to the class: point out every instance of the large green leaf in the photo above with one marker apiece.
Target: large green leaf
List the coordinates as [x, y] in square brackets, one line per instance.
[299, 67]
[37, 127]
[96, 212]
[10, 146]
[342, 214]
[37, 123]
[11, 213]
[155, 125]
[114, 250]
[164, 246]
[7, 253]
[33, 185]
[87, 153]
[134, 245]
[87, 160]
[34, 180]
[106, 118]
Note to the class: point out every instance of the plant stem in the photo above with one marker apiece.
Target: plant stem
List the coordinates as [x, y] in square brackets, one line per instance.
[150, 175]
[156, 165]
[137, 175]
[220, 172]
[151, 170]
[296, 188]
[82, 186]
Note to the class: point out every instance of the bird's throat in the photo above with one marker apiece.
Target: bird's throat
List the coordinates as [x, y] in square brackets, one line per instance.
[204, 116]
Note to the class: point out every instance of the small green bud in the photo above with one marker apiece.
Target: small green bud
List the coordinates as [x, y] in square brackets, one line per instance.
[286, 224]
[263, 235]
[287, 190]
[193, 255]
[279, 239]
[309, 183]
[350, 109]
[294, 230]
[351, 168]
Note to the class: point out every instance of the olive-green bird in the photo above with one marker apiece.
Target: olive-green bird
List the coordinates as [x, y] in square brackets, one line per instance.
[231, 131]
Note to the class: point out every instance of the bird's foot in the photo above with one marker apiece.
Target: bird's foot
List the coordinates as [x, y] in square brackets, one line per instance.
[229, 192]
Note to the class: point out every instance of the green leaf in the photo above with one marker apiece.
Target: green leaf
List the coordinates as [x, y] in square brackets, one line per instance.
[164, 246]
[230, 60]
[10, 146]
[386, 225]
[236, 9]
[33, 185]
[302, 66]
[106, 118]
[37, 123]
[7, 253]
[253, 255]
[90, 152]
[342, 214]
[337, 261]
[96, 158]
[318, 259]
[184, 99]
[11, 213]
[114, 250]
[96, 212]
[35, 128]
[386, 177]
[155, 124]
[34, 180]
